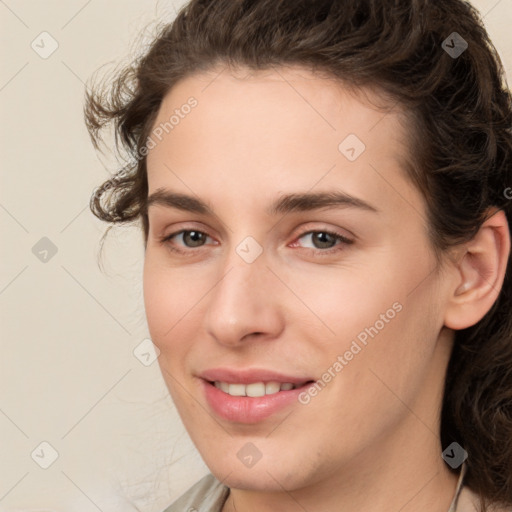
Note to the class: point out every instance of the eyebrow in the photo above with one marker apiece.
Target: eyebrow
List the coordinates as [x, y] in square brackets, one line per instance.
[296, 202]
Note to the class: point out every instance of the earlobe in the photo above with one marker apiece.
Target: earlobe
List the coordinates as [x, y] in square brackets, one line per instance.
[480, 273]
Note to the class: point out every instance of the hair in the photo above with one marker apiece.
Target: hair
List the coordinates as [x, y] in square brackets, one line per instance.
[460, 150]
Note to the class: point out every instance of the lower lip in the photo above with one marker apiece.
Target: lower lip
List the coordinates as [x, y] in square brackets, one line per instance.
[244, 409]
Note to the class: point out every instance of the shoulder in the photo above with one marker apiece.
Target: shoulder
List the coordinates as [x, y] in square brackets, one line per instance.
[207, 495]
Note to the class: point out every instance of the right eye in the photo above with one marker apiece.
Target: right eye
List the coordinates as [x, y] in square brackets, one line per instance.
[189, 238]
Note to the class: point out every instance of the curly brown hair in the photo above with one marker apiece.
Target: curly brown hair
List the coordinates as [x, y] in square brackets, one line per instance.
[461, 150]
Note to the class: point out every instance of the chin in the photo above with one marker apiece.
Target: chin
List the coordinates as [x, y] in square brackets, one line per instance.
[268, 474]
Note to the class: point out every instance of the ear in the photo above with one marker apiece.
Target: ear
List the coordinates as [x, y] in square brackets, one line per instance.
[480, 272]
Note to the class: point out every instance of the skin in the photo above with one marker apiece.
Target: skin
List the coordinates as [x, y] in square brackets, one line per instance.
[369, 440]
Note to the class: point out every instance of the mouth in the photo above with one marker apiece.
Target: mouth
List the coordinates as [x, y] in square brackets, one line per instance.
[250, 396]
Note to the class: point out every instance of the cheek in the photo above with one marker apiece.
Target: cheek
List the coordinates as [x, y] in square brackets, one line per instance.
[165, 290]
[174, 302]
[156, 298]
[344, 301]
[378, 320]
[164, 300]
[388, 355]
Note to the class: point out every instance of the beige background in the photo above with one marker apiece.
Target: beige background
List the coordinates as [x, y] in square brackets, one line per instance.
[68, 373]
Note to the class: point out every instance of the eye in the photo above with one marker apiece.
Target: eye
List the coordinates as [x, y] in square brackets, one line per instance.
[190, 238]
[324, 241]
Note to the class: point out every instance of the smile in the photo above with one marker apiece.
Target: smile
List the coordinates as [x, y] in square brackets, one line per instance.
[250, 396]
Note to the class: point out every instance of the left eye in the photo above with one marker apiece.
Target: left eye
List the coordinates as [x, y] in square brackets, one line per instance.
[323, 239]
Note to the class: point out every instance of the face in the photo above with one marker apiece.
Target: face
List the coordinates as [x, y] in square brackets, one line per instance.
[288, 249]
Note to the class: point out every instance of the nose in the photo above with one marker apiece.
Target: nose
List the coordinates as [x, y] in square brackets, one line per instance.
[244, 304]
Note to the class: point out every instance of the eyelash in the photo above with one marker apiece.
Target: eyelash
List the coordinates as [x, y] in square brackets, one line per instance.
[321, 252]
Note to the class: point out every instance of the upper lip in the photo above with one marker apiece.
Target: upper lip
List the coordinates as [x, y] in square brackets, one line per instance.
[248, 376]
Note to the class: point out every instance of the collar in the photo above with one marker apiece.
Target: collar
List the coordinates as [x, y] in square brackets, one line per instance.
[453, 505]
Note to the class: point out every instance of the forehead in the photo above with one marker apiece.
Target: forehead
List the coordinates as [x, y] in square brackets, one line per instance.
[281, 126]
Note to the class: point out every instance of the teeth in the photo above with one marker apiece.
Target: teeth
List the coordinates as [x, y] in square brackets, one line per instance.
[255, 389]
[237, 390]
[272, 387]
[223, 386]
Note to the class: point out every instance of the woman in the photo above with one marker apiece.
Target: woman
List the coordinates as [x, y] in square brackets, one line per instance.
[323, 194]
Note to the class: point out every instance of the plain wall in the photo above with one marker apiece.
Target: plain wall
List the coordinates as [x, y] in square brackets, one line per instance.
[68, 373]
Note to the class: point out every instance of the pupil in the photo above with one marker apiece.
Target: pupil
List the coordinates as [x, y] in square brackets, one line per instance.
[322, 238]
[193, 238]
